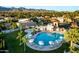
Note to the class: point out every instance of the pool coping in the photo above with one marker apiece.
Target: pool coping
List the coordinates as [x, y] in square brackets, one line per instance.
[42, 48]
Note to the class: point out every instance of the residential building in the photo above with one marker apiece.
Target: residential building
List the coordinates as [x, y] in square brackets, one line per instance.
[61, 19]
[23, 20]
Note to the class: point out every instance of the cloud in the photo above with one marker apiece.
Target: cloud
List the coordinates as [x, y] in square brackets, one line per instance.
[38, 2]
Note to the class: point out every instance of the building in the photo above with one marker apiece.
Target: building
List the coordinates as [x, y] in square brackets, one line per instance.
[7, 24]
[48, 27]
[26, 23]
[55, 22]
[74, 24]
[76, 17]
[61, 19]
[23, 20]
[1, 20]
[29, 24]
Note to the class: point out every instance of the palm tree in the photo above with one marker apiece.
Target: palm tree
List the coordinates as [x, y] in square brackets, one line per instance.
[20, 35]
[2, 42]
[13, 26]
[23, 39]
[72, 36]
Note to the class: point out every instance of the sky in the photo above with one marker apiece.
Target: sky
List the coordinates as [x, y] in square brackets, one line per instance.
[57, 8]
[59, 5]
[37, 2]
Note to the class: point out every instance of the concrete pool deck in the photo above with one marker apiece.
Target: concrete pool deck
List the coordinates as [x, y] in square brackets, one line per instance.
[43, 48]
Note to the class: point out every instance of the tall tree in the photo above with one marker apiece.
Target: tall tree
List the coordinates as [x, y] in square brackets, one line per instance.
[2, 41]
[72, 36]
[13, 26]
[23, 39]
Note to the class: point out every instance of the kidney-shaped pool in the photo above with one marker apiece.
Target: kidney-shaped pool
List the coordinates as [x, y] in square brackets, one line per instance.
[46, 41]
[46, 37]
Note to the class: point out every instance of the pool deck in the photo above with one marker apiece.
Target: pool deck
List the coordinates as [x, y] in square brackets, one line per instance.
[61, 32]
[42, 48]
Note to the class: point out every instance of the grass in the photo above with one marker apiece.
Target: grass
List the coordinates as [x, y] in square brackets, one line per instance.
[13, 46]
[13, 43]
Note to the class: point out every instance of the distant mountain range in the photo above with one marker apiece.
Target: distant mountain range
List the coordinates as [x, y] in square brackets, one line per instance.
[4, 8]
[22, 9]
[13, 8]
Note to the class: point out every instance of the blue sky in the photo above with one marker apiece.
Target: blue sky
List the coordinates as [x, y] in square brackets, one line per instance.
[57, 8]
[59, 5]
[39, 2]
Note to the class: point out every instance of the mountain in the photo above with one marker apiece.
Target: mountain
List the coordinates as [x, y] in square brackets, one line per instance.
[4, 8]
[19, 8]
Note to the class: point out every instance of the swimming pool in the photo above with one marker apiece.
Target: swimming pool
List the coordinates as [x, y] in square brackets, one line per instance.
[45, 37]
[46, 41]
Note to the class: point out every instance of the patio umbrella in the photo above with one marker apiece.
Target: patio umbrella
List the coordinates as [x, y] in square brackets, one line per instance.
[25, 31]
[31, 40]
[29, 35]
[41, 43]
[61, 37]
[57, 29]
[51, 42]
[57, 41]
[49, 34]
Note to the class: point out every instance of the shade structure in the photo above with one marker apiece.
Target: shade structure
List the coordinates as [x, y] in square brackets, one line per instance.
[61, 37]
[41, 43]
[31, 40]
[29, 35]
[57, 41]
[25, 31]
[51, 42]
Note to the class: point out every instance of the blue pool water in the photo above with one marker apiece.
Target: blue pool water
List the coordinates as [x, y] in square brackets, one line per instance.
[46, 37]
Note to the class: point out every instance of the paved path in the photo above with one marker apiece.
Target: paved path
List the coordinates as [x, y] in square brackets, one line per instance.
[76, 45]
[11, 30]
[42, 48]
[38, 47]
[4, 51]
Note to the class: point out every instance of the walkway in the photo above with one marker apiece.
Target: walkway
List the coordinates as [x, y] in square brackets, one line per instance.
[11, 30]
[42, 48]
[76, 45]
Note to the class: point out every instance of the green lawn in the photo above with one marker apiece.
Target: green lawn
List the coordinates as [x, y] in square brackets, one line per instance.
[13, 46]
[13, 43]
